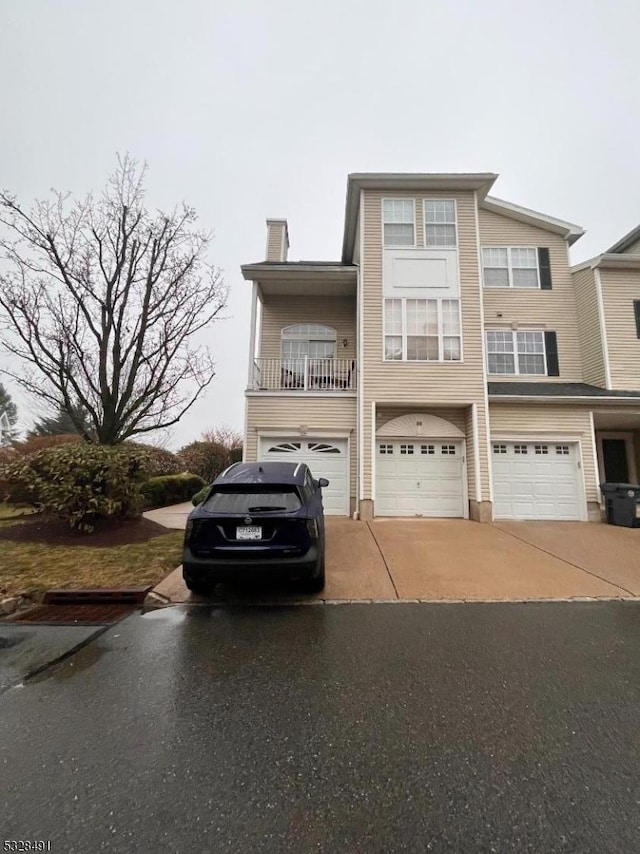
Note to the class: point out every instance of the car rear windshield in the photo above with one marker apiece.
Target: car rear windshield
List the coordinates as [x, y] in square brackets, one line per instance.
[252, 502]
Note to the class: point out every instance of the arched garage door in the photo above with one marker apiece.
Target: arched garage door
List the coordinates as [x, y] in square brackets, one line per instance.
[325, 457]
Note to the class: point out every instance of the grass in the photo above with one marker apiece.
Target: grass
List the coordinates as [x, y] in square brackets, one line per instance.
[11, 511]
[34, 567]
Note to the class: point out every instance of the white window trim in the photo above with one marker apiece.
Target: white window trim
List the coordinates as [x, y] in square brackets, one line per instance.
[510, 268]
[382, 224]
[440, 360]
[424, 223]
[516, 355]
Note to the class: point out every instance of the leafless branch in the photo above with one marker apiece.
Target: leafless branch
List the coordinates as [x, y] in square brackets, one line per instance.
[103, 300]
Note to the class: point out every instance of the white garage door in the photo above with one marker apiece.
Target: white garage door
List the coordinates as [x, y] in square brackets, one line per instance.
[325, 457]
[536, 480]
[421, 478]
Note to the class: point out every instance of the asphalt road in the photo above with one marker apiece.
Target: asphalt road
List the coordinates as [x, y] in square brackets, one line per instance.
[373, 728]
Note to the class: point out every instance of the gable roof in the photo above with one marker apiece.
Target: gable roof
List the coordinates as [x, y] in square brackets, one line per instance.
[569, 230]
[398, 181]
[625, 242]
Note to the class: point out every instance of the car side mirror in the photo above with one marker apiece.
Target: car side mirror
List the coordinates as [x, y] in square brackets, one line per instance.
[322, 482]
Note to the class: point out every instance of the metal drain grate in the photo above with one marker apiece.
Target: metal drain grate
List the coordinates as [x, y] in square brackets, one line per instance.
[75, 615]
[99, 595]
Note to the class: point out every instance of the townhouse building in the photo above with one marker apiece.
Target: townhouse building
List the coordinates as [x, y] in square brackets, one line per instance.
[452, 363]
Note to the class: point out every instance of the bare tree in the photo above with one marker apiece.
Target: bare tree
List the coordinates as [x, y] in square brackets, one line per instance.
[103, 302]
[224, 435]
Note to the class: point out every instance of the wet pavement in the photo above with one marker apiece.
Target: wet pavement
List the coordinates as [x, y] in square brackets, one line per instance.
[347, 728]
[26, 649]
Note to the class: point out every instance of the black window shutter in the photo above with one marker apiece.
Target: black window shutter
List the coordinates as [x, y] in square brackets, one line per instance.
[544, 265]
[551, 347]
[636, 311]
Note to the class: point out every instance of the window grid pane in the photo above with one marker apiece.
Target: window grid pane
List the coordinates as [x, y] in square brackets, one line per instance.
[525, 278]
[398, 211]
[496, 277]
[422, 348]
[524, 258]
[440, 235]
[494, 257]
[499, 342]
[422, 330]
[393, 348]
[393, 316]
[501, 363]
[439, 211]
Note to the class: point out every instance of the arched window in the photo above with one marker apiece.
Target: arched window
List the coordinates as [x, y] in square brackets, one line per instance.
[308, 339]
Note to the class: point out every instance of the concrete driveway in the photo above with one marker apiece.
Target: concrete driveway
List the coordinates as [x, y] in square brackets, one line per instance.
[456, 560]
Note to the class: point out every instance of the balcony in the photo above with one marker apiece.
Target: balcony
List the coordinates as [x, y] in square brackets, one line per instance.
[304, 375]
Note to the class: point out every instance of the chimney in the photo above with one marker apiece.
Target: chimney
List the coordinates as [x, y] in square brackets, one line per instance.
[277, 240]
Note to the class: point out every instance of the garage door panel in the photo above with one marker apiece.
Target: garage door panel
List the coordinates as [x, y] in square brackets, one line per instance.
[536, 481]
[326, 458]
[428, 483]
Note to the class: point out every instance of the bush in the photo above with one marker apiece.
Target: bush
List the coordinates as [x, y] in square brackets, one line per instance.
[25, 493]
[41, 443]
[161, 462]
[81, 483]
[199, 497]
[170, 489]
[206, 459]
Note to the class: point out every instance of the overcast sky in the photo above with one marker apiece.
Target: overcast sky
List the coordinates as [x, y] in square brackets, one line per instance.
[259, 108]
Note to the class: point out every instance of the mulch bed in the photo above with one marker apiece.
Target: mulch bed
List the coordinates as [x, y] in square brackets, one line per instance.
[107, 532]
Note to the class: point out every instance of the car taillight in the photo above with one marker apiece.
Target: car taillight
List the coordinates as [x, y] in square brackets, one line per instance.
[312, 527]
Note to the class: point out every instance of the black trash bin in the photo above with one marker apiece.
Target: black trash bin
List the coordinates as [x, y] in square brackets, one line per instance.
[620, 500]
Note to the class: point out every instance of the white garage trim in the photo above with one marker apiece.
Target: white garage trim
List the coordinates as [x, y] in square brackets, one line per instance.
[270, 437]
[317, 434]
[373, 450]
[419, 425]
[543, 438]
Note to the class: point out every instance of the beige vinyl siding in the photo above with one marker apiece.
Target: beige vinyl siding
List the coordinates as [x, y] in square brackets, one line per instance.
[619, 289]
[287, 414]
[420, 385]
[586, 295]
[276, 242]
[552, 310]
[528, 420]
[281, 311]
[634, 249]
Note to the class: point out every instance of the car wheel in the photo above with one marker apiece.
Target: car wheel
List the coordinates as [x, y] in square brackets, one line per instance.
[316, 583]
[200, 588]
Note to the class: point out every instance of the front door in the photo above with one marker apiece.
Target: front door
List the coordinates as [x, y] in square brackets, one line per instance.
[616, 464]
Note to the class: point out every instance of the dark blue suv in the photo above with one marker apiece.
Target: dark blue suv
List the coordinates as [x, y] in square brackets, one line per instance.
[257, 519]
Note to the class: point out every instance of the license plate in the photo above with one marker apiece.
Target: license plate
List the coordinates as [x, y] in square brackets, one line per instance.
[249, 532]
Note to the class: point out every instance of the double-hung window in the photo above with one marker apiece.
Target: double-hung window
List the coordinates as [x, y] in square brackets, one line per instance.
[516, 352]
[510, 267]
[398, 218]
[440, 223]
[422, 330]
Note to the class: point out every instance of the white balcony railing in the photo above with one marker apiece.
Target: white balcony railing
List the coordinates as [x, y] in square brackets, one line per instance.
[304, 374]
